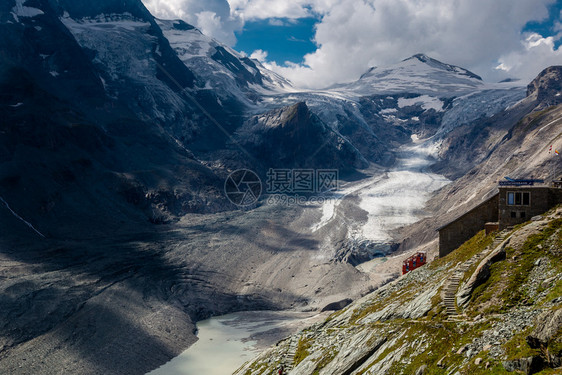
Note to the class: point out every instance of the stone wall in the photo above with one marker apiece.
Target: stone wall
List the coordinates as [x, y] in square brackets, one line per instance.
[465, 227]
[542, 199]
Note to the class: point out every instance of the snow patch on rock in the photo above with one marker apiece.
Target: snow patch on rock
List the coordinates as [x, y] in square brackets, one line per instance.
[427, 102]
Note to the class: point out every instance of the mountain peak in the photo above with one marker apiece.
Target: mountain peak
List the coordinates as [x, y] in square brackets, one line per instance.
[547, 87]
[419, 56]
[439, 65]
[416, 74]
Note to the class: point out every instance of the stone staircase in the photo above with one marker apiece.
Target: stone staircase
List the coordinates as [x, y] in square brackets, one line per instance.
[450, 289]
[500, 237]
[289, 357]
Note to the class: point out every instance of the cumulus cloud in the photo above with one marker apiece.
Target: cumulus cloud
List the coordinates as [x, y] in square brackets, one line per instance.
[353, 35]
[259, 55]
[535, 54]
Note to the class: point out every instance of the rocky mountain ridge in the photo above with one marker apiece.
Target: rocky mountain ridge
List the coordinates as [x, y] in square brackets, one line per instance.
[141, 79]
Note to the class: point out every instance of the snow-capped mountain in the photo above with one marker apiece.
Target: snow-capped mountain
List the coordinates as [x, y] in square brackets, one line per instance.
[87, 110]
[418, 74]
[108, 60]
[418, 97]
[202, 97]
[219, 67]
[166, 71]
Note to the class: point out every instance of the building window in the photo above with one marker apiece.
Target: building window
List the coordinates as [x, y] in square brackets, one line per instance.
[518, 198]
[513, 214]
[522, 214]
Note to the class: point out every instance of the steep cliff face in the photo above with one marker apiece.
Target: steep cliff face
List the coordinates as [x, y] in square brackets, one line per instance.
[294, 137]
[471, 144]
[87, 140]
[507, 316]
[546, 88]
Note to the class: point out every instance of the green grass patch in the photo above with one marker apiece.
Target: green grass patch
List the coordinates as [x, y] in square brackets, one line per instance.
[302, 350]
[494, 367]
[258, 367]
[437, 308]
[401, 295]
[525, 261]
[440, 337]
[517, 347]
[485, 297]
[549, 371]
[503, 290]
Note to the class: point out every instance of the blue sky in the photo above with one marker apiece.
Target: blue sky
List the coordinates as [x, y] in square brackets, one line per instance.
[284, 39]
[547, 27]
[333, 41]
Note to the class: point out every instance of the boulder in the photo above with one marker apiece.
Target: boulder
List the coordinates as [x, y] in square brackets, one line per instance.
[527, 365]
[335, 306]
[546, 326]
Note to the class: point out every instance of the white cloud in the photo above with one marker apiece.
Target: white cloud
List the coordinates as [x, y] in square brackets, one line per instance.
[535, 54]
[282, 21]
[353, 35]
[276, 22]
[263, 9]
[259, 55]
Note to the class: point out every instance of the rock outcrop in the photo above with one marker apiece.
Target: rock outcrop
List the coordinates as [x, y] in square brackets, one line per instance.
[547, 87]
[546, 336]
[294, 137]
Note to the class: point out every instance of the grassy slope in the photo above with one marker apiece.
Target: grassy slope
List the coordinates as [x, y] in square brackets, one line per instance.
[518, 289]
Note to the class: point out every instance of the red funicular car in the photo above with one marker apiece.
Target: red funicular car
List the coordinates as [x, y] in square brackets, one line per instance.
[413, 262]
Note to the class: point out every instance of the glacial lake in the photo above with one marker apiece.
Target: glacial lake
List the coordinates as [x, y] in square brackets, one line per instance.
[226, 342]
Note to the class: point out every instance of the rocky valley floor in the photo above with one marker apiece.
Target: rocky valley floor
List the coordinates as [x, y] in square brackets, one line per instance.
[128, 303]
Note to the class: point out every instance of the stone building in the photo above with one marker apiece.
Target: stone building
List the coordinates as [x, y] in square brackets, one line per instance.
[512, 205]
[517, 204]
[460, 230]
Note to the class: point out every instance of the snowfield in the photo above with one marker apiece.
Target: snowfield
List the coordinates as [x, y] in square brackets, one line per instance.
[398, 198]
